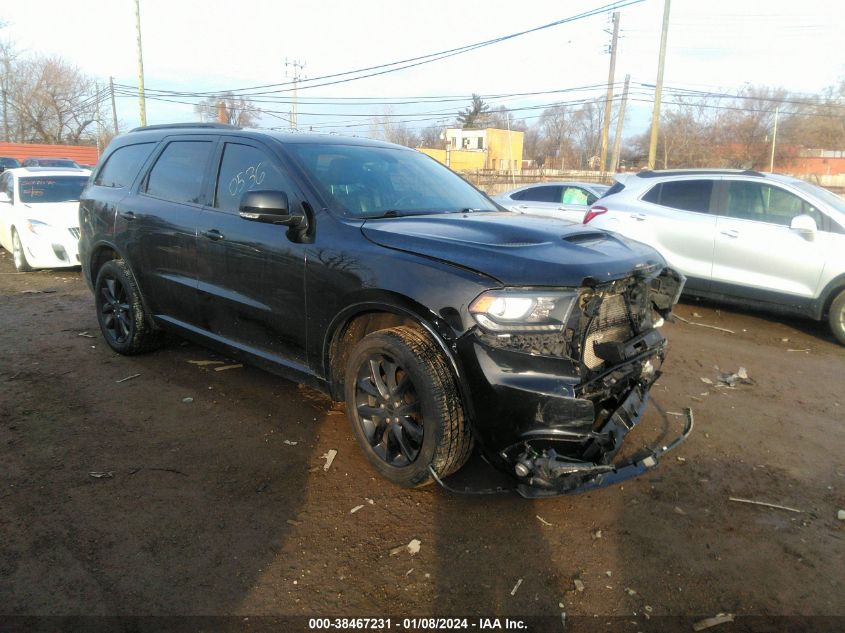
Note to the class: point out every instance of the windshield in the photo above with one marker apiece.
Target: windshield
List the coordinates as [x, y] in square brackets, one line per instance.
[9, 162]
[822, 194]
[367, 182]
[51, 188]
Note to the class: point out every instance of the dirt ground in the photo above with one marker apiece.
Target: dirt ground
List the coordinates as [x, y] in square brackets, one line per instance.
[221, 505]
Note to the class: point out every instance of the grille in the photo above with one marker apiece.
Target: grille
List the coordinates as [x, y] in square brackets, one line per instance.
[611, 325]
[75, 232]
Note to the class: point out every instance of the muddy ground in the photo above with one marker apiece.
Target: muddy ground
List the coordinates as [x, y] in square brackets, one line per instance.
[221, 505]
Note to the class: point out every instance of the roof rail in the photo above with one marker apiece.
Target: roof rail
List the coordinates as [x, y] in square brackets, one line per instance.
[650, 173]
[193, 126]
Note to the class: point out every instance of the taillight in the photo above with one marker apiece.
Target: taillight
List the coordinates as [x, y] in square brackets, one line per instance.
[593, 212]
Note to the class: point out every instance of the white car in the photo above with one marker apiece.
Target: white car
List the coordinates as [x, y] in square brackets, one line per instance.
[745, 237]
[39, 216]
[564, 200]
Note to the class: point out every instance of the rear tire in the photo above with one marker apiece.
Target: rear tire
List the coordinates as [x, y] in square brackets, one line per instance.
[19, 255]
[405, 408]
[120, 312]
[836, 317]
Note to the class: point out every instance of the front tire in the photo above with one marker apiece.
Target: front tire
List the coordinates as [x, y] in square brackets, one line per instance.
[120, 313]
[19, 255]
[405, 408]
[836, 317]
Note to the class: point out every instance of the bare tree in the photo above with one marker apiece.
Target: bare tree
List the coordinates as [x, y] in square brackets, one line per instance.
[430, 136]
[387, 128]
[52, 101]
[234, 109]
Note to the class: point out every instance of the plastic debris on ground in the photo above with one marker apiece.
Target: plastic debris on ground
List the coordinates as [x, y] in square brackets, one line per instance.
[225, 367]
[706, 623]
[413, 547]
[329, 457]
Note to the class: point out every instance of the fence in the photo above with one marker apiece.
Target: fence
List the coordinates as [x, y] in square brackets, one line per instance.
[495, 182]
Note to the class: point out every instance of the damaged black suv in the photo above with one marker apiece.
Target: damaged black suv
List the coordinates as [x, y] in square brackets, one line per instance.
[375, 274]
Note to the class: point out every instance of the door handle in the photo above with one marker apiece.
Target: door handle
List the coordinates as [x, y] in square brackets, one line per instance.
[127, 215]
[731, 233]
[212, 234]
[639, 217]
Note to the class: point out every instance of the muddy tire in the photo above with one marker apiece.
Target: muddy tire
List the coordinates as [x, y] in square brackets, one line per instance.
[405, 408]
[120, 312]
[19, 254]
[836, 317]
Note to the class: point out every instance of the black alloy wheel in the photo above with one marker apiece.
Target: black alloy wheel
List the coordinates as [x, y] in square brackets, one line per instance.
[404, 406]
[115, 311]
[120, 311]
[389, 410]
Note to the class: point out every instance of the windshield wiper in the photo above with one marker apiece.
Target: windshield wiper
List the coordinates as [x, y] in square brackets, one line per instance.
[392, 213]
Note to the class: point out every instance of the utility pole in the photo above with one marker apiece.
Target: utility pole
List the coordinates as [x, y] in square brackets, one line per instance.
[620, 121]
[608, 104]
[113, 106]
[658, 89]
[297, 67]
[774, 140]
[142, 104]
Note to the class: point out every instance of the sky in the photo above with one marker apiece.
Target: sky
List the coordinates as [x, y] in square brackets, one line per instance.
[713, 45]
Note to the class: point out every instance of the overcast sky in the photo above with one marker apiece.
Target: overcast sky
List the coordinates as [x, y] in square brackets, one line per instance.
[216, 45]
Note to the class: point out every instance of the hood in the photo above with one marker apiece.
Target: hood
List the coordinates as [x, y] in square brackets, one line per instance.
[518, 250]
[59, 214]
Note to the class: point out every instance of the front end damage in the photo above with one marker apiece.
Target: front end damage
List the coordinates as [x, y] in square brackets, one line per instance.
[566, 400]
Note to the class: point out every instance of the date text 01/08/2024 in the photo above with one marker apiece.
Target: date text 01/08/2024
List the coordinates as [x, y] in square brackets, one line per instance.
[416, 624]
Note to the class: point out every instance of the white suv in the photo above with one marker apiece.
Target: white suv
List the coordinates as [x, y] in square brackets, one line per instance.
[761, 240]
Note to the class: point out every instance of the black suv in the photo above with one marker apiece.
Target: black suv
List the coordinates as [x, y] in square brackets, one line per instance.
[375, 274]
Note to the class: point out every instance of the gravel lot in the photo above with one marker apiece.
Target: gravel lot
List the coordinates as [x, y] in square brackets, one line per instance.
[221, 506]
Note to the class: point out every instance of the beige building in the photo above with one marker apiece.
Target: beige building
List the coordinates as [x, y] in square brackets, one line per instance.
[471, 150]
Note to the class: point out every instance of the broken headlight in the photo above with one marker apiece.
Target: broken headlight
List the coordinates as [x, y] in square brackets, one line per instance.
[513, 310]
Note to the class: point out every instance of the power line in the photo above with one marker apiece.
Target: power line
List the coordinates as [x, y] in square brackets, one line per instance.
[415, 61]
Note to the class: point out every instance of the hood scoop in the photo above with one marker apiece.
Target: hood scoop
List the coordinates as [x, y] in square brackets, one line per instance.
[586, 236]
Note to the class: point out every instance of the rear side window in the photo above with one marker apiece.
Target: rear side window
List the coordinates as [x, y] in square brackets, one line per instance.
[123, 165]
[616, 187]
[542, 194]
[177, 174]
[576, 195]
[686, 195]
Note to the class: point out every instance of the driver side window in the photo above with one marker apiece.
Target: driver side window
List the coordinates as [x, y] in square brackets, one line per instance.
[246, 168]
[765, 203]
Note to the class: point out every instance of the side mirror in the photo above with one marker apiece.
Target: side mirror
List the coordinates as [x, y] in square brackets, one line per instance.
[805, 225]
[4, 197]
[270, 207]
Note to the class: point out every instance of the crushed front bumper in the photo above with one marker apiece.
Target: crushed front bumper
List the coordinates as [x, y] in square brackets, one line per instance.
[553, 475]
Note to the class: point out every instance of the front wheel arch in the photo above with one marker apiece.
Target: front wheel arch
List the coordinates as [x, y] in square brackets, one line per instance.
[340, 340]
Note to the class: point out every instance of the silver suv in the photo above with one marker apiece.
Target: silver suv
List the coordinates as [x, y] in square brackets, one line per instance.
[761, 240]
